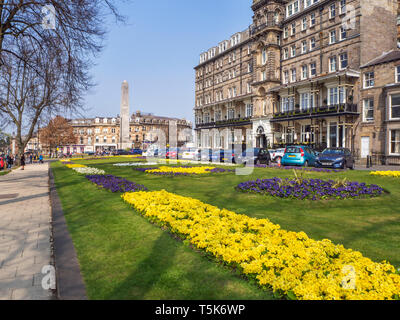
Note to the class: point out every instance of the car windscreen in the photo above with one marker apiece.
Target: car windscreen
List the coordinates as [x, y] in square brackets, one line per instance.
[293, 150]
[333, 152]
[252, 151]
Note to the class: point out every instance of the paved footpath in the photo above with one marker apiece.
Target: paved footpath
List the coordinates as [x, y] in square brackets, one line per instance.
[25, 218]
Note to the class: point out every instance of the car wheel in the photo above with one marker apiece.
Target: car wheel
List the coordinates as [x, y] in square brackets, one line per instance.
[352, 166]
[258, 162]
[278, 160]
[306, 164]
[344, 165]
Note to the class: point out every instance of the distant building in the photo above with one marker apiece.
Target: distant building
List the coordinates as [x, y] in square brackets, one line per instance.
[103, 134]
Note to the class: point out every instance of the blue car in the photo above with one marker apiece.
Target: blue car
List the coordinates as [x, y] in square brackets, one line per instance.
[299, 156]
[337, 158]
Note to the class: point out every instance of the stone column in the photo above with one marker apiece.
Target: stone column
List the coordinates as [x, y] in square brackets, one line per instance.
[125, 117]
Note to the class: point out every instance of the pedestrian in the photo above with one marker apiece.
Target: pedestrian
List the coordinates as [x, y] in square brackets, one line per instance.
[23, 162]
[31, 158]
[41, 158]
[10, 161]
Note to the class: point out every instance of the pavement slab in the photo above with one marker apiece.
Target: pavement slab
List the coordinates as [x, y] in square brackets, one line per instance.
[25, 231]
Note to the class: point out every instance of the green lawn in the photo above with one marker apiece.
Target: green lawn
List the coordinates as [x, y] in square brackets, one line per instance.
[123, 256]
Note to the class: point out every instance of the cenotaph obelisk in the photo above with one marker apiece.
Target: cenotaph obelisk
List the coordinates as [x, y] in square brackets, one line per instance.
[125, 142]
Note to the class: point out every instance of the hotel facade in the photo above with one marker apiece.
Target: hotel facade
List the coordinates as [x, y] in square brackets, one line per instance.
[303, 73]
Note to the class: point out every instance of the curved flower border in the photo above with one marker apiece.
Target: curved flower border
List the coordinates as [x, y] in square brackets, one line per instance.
[290, 263]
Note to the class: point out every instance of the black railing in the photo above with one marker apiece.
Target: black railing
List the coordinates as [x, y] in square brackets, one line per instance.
[269, 24]
[323, 110]
[237, 121]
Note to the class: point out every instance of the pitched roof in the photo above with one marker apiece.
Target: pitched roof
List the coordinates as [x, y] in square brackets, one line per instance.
[386, 57]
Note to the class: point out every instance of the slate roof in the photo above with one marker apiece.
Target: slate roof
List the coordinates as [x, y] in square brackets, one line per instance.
[386, 57]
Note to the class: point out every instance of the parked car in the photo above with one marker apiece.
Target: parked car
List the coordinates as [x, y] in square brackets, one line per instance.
[136, 151]
[218, 156]
[121, 153]
[172, 153]
[277, 155]
[189, 154]
[335, 158]
[206, 154]
[255, 156]
[299, 156]
[2, 163]
[230, 156]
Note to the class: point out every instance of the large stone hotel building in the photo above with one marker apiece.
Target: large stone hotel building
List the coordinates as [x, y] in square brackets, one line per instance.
[318, 72]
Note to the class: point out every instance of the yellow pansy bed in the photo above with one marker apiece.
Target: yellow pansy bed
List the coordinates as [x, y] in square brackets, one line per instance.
[71, 166]
[290, 263]
[180, 170]
[395, 174]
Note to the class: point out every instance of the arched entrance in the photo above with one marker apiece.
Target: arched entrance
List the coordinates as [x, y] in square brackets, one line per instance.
[261, 140]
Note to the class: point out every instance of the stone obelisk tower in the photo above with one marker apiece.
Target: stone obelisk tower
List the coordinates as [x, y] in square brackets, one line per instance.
[125, 117]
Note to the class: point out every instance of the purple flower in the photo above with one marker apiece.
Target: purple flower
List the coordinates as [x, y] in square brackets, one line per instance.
[115, 184]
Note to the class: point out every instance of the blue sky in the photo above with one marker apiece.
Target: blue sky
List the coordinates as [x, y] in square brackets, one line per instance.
[156, 52]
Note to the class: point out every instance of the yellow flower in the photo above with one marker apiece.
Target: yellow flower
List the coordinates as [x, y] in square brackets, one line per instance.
[395, 174]
[286, 261]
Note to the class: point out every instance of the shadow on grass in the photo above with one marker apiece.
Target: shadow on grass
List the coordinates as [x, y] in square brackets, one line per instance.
[149, 272]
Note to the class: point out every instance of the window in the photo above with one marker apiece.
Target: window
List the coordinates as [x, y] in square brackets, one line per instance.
[395, 141]
[293, 29]
[312, 19]
[369, 80]
[332, 64]
[249, 110]
[293, 75]
[293, 51]
[332, 11]
[342, 6]
[248, 87]
[332, 37]
[333, 97]
[286, 77]
[304, 72]
[292, 8]
[343, 33]
[313, 69]
[231, 114]
[285, 32]
[263, 76]
[395, 107]
[304, 24]
[397, 74]
[343, 60]
[312, 44]
[285, 53]
[264, 56]
[368, 110]
[304, 46]
[305, 101]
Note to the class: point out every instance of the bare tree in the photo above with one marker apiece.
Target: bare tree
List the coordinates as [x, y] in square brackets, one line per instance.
[47, 48]
[27, 94]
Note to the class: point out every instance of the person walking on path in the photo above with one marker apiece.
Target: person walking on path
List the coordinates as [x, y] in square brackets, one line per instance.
[9, 161]
[23, 162]
[41, 158]
[31, 158]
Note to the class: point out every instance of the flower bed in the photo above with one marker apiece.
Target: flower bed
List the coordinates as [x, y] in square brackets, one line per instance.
[395, 174]
[135, 164]
[298, 168]
[72, 166]
[115, 184]
[89, 170]
[313, 189]
[290, 263]
[182, 171]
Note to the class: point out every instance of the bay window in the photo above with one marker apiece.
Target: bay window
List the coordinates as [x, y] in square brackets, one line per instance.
[395, 107]
[395, 142]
